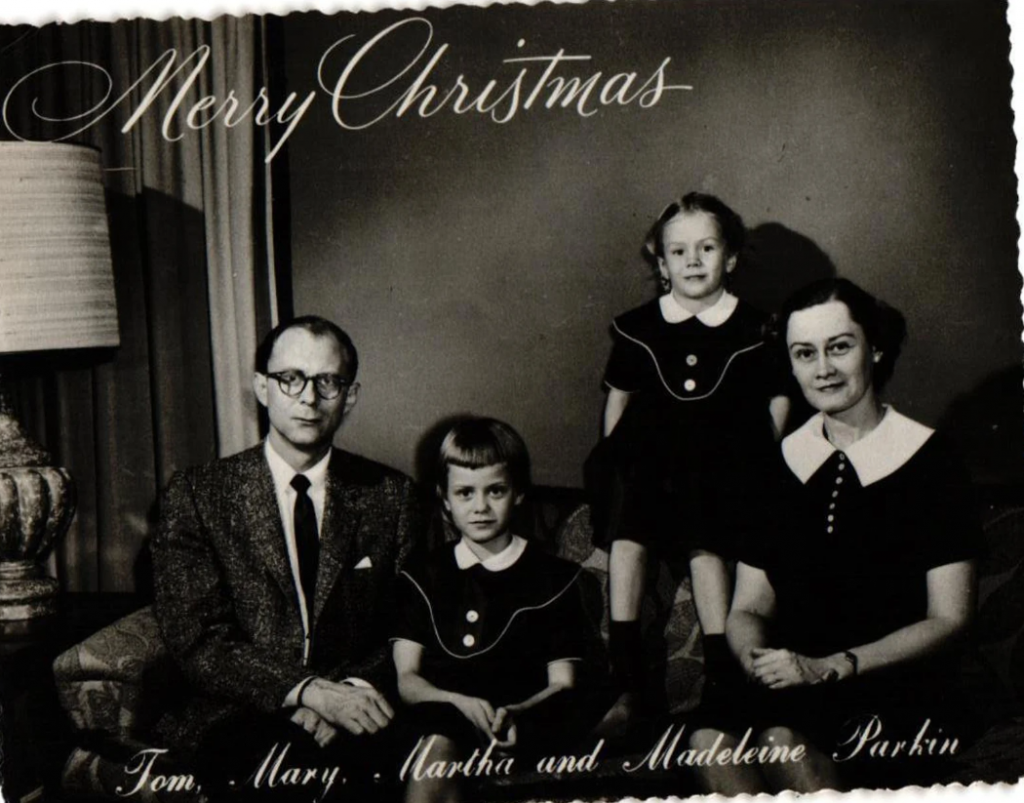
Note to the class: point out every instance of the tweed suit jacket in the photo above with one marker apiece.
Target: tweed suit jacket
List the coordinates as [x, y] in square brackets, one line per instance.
[225, 599]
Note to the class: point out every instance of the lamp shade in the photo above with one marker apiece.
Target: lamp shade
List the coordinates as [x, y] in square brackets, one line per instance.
[56, 278]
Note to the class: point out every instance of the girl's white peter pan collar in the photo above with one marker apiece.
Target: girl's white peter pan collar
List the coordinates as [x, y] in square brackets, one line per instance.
[874, 457]
[715, 315]
[466, 558]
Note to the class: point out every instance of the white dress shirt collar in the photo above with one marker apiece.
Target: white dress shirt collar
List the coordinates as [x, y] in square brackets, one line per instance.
[283, 473]
[875, 456]
[715, 315]
[465, 557]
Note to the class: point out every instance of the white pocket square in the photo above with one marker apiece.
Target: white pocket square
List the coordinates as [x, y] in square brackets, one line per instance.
[364, 563]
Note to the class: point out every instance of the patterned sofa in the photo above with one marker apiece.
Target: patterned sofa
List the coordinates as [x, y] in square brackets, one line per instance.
[115, 684]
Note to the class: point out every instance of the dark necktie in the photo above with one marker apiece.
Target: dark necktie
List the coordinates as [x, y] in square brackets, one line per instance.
[307, 542]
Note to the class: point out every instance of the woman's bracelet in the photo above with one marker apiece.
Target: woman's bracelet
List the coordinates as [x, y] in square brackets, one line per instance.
[302, 689]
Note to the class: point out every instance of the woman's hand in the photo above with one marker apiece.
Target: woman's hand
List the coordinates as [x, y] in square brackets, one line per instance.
[782, 669]
[746, 659]
[753, 607]
[476, 710]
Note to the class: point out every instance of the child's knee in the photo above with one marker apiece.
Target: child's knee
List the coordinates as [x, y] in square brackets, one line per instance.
[442, 748]
[707, 738]
[778, 736]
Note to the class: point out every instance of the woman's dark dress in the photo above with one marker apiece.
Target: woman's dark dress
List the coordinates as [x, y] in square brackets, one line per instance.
[684, 464]
[854, 536]
[492, 634]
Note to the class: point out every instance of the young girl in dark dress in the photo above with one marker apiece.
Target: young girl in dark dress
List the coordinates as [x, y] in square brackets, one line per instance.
[688, 423]
[490, 628]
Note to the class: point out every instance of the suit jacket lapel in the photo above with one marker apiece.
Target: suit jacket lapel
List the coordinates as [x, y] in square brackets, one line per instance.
[338, 531]
[262, 520]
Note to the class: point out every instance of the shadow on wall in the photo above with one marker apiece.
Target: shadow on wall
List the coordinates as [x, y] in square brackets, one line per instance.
[776, 262]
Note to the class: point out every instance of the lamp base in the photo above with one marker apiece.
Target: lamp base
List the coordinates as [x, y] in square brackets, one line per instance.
[25, 592]
[37, 502]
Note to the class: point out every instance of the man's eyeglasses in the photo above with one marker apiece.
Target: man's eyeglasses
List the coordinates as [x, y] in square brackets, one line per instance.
[293, 383]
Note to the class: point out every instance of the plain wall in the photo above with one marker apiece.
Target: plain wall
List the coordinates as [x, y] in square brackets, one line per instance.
[477, 266]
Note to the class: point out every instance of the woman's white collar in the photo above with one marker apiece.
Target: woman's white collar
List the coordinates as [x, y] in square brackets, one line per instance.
[465, 557]
[875, 456]
[715, 315]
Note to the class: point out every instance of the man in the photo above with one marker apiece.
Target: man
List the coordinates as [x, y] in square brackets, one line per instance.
[273, 572]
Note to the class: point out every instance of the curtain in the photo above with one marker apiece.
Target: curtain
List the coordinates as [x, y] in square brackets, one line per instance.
[193, 266]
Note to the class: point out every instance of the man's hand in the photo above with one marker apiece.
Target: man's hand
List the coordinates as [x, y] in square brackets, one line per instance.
[314, 724]
[358, 710]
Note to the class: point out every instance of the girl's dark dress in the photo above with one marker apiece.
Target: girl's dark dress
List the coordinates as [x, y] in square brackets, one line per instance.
[855, 534]
[491, 634]
[685, 462]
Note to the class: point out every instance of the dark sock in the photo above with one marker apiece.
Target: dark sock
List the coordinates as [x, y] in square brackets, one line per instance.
[625, 648]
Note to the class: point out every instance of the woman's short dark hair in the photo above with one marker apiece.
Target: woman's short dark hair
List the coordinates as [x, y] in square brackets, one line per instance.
[730, 224]
[315, 325]
[482, 442]
[884, 327]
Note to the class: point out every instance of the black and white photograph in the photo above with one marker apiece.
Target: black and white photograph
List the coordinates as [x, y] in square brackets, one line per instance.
[509, 403]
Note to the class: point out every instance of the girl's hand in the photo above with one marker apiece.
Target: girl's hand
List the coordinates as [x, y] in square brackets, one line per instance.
[503, 729]
[782, 669]
[476, 710]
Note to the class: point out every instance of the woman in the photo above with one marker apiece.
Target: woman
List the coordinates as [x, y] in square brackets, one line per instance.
[844, 612]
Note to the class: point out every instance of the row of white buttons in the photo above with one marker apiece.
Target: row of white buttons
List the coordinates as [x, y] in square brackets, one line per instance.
[835, 493]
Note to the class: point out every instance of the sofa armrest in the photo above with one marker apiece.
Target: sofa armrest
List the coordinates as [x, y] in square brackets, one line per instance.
[108, 683]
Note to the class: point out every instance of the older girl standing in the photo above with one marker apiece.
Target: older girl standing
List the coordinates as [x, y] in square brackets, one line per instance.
[688, 422]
